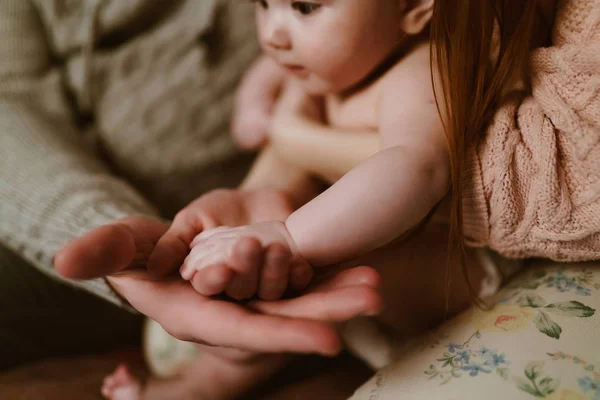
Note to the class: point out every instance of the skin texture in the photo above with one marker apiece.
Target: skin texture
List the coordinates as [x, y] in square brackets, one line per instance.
[337, 225]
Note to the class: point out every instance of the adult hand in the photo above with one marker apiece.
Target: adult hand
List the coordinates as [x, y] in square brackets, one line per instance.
[115, 250]
[221, 207]
[251, 266]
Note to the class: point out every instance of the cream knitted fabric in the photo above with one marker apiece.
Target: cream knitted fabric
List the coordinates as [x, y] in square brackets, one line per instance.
[533, 186]
[111, 108]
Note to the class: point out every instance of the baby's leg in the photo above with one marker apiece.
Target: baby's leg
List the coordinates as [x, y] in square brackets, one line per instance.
[209, 377]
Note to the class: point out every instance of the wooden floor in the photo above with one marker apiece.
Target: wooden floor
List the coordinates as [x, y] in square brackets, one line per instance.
[80, 378]
[69, 379]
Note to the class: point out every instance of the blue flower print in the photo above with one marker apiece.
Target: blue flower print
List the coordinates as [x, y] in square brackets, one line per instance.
[452, 347]
[475, 369]
[463, 356]
[590, 386]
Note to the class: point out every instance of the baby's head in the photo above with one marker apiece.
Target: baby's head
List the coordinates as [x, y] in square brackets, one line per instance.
[331, 45]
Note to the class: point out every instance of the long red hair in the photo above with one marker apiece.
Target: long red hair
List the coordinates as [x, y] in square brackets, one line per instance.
[470, 81]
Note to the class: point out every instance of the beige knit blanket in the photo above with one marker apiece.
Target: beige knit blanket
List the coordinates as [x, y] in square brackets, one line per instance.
[111, 108]
[534, 181]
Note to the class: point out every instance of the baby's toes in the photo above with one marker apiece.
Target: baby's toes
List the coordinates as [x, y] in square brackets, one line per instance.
[121, 385]
[246, 260]
[212, 280]
[275, 272]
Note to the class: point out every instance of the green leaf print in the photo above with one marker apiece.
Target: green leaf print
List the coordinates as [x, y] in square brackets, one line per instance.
[547, 326]
[533, 369]
[537, 384]
[547, 385]
[503, 372]
[533, 301]
[524, 385]
[571, 309]
[529, 285]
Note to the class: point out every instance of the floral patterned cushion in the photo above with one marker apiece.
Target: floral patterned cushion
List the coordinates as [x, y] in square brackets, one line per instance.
[541, 340]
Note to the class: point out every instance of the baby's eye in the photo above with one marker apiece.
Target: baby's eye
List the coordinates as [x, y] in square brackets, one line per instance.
[305, 7]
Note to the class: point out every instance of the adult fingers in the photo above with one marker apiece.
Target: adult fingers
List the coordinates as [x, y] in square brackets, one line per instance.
[336, 305]
[109, 248]
[361, 275]
[101, 252]
[189, 316]
[172, 248]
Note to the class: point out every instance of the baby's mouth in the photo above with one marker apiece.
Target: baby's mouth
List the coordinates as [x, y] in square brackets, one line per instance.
[296, 69]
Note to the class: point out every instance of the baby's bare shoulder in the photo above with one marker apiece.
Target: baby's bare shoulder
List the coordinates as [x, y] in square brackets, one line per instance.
[411, 76]
[407, 110]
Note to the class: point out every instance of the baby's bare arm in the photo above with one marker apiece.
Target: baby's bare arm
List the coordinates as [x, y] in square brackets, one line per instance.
[393, 190]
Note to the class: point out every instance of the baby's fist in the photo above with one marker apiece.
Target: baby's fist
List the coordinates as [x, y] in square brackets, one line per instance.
[244, 261]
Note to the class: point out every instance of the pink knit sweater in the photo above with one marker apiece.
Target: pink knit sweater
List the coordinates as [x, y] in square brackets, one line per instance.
[533, 183]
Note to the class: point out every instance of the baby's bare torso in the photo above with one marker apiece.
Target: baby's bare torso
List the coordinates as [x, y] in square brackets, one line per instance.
[358, 111]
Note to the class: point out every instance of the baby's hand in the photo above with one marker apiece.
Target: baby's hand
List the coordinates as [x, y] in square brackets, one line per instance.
[254, 103]
[244, 261]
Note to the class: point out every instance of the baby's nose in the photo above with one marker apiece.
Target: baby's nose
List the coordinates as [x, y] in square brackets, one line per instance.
[277, 37]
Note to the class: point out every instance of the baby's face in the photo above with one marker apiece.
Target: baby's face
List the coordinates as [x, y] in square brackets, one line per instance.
[328, 45]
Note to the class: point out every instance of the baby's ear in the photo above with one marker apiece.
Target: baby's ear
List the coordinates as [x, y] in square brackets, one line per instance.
[416, 14]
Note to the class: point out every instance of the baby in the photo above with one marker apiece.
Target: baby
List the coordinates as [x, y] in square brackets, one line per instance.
[378, 139]
[366, 61]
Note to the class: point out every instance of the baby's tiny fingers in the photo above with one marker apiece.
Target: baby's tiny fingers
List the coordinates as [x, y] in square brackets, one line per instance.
[208, 233]
[246, 260]
[212, 280]
[200, 257]
[275, 272]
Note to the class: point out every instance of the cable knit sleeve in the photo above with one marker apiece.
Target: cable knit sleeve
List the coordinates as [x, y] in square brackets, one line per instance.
[52, 188]
[533, 183]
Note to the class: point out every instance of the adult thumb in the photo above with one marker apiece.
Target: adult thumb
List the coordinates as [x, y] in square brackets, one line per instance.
[109, 248]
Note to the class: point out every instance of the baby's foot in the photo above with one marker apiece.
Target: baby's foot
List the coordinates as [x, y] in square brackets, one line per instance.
[121, 385]
[209, 377]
